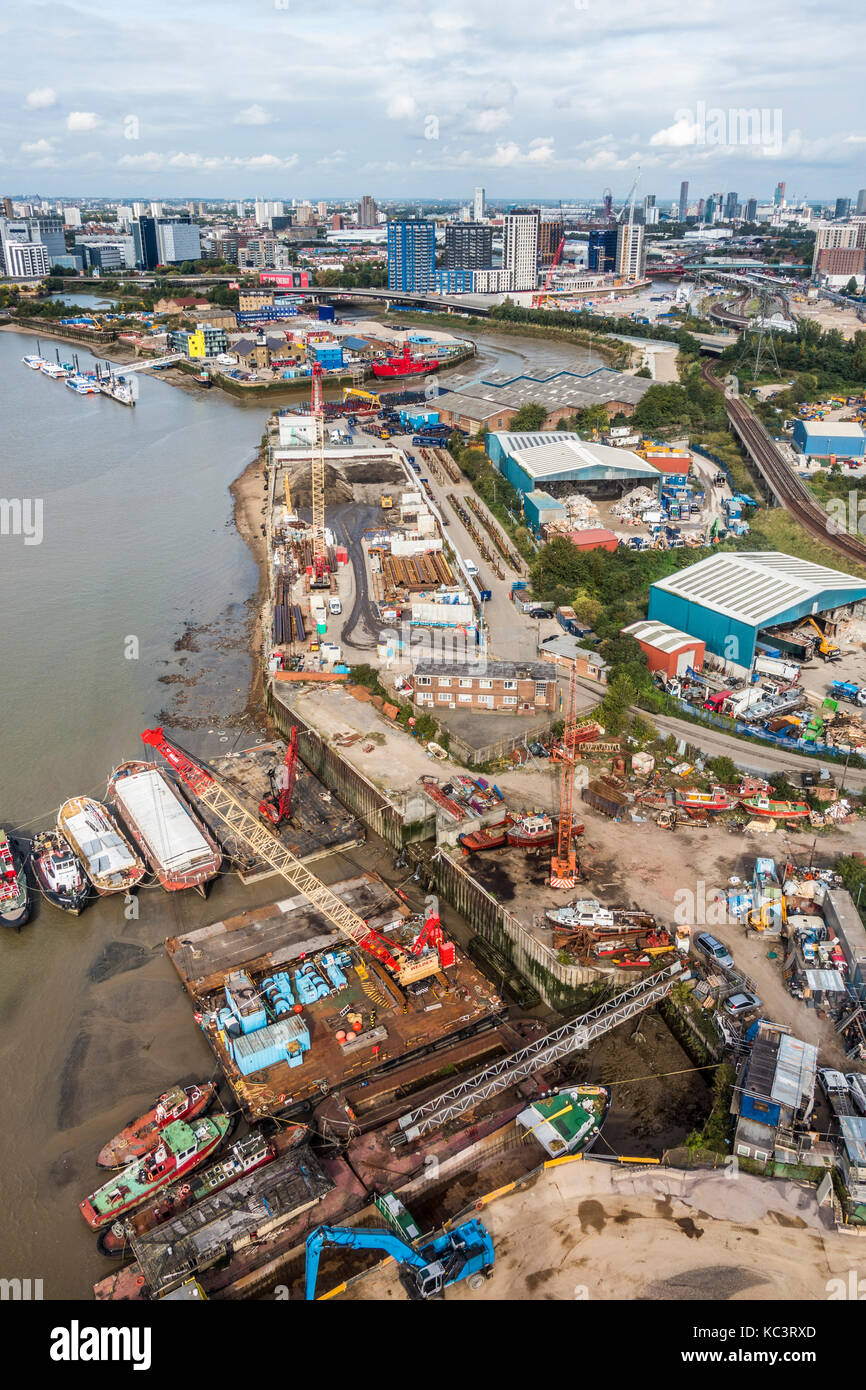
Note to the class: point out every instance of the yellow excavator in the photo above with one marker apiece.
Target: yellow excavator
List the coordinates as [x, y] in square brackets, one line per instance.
[824, 646]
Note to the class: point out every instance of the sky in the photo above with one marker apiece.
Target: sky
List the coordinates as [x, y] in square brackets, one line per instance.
[399, 98]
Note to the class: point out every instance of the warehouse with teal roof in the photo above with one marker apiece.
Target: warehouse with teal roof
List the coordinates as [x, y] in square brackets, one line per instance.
[735, 599]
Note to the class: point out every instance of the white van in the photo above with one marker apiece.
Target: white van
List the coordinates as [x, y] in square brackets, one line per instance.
[334, 605]
[471, 568]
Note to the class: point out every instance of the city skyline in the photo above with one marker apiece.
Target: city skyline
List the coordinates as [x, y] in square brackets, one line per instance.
[299, 106]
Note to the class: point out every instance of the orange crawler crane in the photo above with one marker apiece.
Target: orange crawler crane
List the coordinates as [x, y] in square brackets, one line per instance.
[564, 872]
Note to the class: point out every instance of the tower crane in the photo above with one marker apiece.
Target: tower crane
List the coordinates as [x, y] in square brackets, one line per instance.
[317, 478]
[563, 865]
[278, 806]
[405, 967]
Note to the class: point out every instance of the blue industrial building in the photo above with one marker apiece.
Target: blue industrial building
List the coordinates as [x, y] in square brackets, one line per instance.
[731, 598]
[560, 461]
[540, 508]
[829, 439]
[411, 255]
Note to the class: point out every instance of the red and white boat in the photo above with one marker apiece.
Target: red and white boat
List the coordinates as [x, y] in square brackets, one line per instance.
[713, 801]
[142, 1135]
[487, 837]
[779, 810]
[530, 832]
[405, 364]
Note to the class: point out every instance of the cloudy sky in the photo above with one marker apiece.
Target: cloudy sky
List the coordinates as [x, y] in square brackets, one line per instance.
[407, 98]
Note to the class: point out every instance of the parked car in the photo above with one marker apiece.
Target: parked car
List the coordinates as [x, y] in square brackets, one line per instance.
[539, 613]
[743, 1002]
[833, 1082]
[714, 950]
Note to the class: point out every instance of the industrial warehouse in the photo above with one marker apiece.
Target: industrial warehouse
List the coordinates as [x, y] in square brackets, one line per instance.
[559, 462]
[731, 601]
[494, 401]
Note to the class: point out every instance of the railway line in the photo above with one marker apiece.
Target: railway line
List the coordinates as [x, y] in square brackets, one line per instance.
[789, 491]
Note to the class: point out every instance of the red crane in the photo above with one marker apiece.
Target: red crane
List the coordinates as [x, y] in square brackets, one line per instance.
[564, 872]
[431, 934]
[278, 806]
[553, 264]
[406, 967]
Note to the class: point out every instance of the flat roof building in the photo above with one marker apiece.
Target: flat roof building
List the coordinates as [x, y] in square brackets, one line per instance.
[561, 461]
[829, 439]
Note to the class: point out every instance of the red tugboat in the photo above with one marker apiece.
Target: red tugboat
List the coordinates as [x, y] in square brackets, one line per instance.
[780, 810]
[254, 1151]
[536, 831]
[695, 801]
[405, 364]
[142, 1135]
[181, 1148]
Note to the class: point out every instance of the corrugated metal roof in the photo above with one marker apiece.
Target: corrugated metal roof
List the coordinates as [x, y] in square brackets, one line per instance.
[849, 428]
[825, 981]
[796, 1066]
[659, 635]
[511, 442]
[574, 456]
[755, 586]
[853, 1129]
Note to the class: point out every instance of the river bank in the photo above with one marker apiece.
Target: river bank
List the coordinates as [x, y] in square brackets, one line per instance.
[248, 493]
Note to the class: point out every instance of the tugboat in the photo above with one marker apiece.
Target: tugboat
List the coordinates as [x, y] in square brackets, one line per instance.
[181, 1148]
[488, 837]
[531, 832]
[405, 364]
[142, 1135]
[109, 861]
[14, 894]
[567, 1121]
[58, 872]
[251, 1152]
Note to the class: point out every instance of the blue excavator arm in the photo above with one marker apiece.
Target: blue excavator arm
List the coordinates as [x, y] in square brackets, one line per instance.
[357, 1239]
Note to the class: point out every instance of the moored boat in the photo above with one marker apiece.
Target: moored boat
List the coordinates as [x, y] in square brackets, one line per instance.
[58, 872]
[14, 894]
[405, 364]
[566, 1121]
[33, 361]
[54, 370]
[83, 385]
[181, 1149]
[176, 845]
[142, 1135]
[109, 860]
[779, 810]
[529, 832]
[245, 1156]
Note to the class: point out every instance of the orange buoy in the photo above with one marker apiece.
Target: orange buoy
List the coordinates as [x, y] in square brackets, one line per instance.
[357, 1025]
[297, 1009]
[340, 1035]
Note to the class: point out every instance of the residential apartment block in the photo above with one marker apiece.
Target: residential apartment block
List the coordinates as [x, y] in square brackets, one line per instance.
[506, 687]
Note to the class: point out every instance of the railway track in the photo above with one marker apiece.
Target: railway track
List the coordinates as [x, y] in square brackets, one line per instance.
[789, 491]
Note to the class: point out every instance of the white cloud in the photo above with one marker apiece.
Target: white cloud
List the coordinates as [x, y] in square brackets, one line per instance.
[402, 107]
[82, 120]
[684, 131]
[38, 147]
[150, 160]
[493, 118]
[253, 115]
[41, 98]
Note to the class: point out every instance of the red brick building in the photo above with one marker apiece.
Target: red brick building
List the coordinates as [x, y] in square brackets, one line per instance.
[506, 687]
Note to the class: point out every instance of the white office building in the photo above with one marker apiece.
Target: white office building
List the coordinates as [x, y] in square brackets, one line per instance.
[178, 241]
[520, 247]
[72, 217]
[478, 206]
[630, 251]
[27, 259]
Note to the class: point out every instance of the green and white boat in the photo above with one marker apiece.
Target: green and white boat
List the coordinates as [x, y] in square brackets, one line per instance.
[14, 894]
[567, 1121]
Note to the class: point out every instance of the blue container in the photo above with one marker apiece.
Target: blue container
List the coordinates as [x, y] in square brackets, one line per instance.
[326, 313]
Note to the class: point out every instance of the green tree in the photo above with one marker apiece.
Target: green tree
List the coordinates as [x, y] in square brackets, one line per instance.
[529, 417]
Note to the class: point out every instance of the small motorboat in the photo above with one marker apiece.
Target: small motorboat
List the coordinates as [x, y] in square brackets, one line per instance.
[58, 872]
[142, 1134]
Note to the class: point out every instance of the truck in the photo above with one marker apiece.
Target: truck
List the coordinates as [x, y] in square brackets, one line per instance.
[567, 619]
[772, 666]
[847, 690]
[466, 1252]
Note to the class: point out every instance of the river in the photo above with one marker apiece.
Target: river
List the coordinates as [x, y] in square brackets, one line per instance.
[138, 543]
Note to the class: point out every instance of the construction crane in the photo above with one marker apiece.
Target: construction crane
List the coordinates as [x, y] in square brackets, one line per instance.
[544, 1052]
[278, 806]
[464, 1253]
[563, 865]
[225, 806]
[321, 579]
[431, 934]
[553, 264]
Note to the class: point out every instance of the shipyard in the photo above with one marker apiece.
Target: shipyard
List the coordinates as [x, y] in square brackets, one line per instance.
[433, 811]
